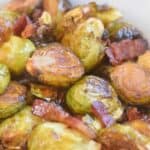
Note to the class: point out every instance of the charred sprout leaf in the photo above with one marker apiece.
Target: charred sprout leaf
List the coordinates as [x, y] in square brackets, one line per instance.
[4, 77]
[129, 136]
[23, 6]
[48, 93]
[121, 30]
[12, 100]
[108, 14]
[15, 52]
[86, 42]
[54, 112]
[15, 131]
[144, 60]
[84, 95]
[55, 65]
[132, 83]
[118, 52]
[58, 136]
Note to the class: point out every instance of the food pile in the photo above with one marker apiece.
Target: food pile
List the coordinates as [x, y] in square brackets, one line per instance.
[72, 78]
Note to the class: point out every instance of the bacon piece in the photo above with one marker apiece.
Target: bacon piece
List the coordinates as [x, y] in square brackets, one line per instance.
[29, 31]
[133, 114]
[124, 50]
[20, 24]
[53, 112]
[99, 110]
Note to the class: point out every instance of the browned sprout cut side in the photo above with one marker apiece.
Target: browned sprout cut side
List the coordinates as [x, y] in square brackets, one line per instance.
[132, 83]
[130, 136]
[15, 131]
[12, 100]
[55, 65]
[95, 95]
[55, 136]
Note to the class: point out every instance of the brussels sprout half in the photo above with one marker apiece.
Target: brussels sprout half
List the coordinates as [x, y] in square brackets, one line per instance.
[54, 136]
[15, 52]
[15, 131]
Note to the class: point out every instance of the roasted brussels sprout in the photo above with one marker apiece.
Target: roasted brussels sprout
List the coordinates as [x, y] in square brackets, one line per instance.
[55, 65]
[85, 42]
[70, 20]
[15, 52]
[12, 100]
[144, 60]
[122, 30]
[58, 136]
[132, 83]
[48, 93]
[4, 77]
[15, 130]
[108, 14]
[82, 96]
[132, 136]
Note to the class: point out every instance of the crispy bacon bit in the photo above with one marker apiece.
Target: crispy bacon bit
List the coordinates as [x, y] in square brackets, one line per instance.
[99, 110]
[20, 24]
[28, 31]
[125, 50]
[53, 112]
[134, 114]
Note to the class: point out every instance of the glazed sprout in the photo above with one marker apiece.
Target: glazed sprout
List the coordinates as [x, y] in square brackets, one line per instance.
[70, 20]
[86, 42]
[108, 14]
[93, 92]
[134, 135]
[12, 100]
[132, 83]
[15, 52]
[15, 131]
[58, 136]
[55, 65]
[4, 77]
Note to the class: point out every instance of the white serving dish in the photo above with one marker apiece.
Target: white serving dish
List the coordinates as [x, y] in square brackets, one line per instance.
[136, 12]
